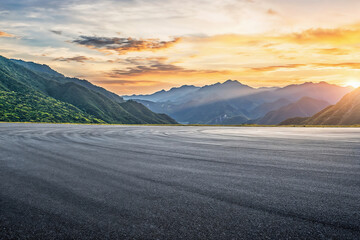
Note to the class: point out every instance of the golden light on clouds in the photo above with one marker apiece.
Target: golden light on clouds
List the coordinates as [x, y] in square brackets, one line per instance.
[4, 34]
[124, 45]
[144, 46]
[256, 60]
[353, 83]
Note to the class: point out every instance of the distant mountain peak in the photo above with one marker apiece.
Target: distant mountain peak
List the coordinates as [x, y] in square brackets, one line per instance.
[181, 87]
[344, 112]
[314, 84]
[318, 83]
[304, 107]
[163, 95]
[229, 81]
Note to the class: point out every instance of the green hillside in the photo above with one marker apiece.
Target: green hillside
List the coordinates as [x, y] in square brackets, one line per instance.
[35, 107]
[46, 72]
[93, 101]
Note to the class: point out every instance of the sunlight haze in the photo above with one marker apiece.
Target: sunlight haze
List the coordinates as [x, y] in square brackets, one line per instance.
[133, 47]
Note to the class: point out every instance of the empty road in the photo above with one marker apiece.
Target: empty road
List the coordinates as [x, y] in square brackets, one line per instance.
[178, 182]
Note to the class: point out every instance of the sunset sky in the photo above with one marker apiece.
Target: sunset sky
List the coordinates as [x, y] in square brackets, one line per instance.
[142, 46]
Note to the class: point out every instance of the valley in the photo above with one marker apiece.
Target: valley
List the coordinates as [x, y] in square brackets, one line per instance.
[231, 102]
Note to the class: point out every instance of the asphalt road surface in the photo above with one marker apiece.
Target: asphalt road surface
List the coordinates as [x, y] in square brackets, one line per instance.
[162, 182]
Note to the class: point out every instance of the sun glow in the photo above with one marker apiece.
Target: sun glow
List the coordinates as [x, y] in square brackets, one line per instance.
[353, 83]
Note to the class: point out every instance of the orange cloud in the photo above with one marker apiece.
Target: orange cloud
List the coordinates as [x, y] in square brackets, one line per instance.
[4, 34]
[342, 35]
[127, 82]
[257, 59]
[274, 68]
[155, 66]
[333, 51]
[347, 35]
[159, 69]
[228, 39]
[271, 12]
[349, 65]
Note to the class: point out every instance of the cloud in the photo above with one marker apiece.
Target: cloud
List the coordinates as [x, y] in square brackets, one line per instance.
[158, 69]
[6, 50]
[271, 12]
[143, 60]
[349, 65]
[346, 34]
[43, 4]
[332, 37]
[124, 45]
[333, 51]
[56, 32]
[80, 59]
[274, 68]
[125, 82]
[4, 34]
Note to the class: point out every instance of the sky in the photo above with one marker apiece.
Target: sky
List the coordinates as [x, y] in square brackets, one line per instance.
[142, 46]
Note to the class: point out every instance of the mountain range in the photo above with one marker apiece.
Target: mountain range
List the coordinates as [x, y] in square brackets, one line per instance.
[173, 95]
[232, 102]
[345, 112]
[306, 107]
[35, 92]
